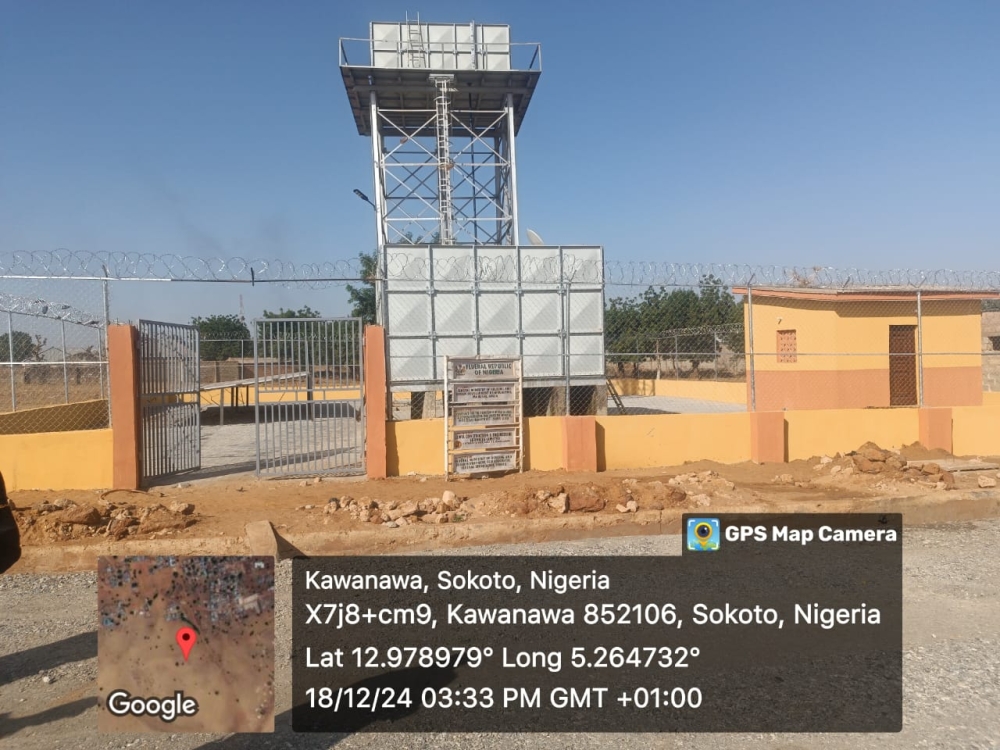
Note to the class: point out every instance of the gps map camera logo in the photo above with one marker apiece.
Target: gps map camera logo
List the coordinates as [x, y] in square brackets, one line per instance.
[703, 534]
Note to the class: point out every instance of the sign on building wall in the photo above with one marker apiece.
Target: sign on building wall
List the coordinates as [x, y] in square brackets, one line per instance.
[483, 415]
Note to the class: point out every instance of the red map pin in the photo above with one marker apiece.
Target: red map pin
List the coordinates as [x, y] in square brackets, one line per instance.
[186, 638]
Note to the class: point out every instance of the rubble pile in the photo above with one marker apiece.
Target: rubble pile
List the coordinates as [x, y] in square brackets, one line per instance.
[63, 520]
[393, 513]
[870, 459]
[630, 497]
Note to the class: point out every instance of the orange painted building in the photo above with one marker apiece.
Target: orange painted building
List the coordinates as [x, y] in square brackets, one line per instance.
[862, 348]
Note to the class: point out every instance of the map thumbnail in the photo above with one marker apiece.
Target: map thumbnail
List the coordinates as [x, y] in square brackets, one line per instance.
[186, 644]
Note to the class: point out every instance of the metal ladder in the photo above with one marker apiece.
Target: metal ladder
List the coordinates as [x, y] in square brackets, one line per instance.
[615, 397]
[415, 47]
[442, 105]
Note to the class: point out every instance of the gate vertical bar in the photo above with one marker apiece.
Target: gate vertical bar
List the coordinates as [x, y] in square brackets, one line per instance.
[358, 348]
[196, 335]
[256, 396]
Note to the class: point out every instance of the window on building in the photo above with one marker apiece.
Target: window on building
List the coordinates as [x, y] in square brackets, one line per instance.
[995, 341]
[787, 348]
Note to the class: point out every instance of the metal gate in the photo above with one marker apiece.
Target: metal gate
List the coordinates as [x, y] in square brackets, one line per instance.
[169, 397]
[308, 387]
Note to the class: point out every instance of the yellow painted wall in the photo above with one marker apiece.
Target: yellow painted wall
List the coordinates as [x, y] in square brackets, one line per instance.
[641, 441]
[829, 431]
[81, 460]
[85, 415]
[544, 443]
[417, 445]
[975, 430]
[952, 333]
[634, 386]
[405, 395]
[706, 390]
[855, 328]
[649, 441]
[991, 398]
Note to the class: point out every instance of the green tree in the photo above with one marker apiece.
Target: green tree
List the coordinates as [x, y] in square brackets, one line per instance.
[302, 312]
[288, 340]
[362, 298]
[720, 308]
[636, 328]
[223, 336]
[621, 329]
[25, 347]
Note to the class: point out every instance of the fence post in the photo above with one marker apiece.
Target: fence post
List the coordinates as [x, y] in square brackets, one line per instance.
[103, 338]
[376, 393]
[566, 332]
[920, 349]
[62, 330]
[124, 374]
[10, 346]
[753, 383]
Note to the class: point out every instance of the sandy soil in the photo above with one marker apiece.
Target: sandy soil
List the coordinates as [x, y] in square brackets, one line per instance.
[210, 512]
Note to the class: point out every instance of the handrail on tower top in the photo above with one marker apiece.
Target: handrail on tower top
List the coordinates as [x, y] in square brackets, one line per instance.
[361, 50]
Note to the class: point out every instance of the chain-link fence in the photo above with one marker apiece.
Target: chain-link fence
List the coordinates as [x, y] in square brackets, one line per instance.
[596, 336]
[703, 339]
[794, 347]
[53, 355]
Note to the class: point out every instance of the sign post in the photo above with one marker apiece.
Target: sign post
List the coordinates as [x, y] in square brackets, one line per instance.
[483, 415]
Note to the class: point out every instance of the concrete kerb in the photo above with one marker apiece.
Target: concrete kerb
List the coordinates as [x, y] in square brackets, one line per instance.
[262, 540]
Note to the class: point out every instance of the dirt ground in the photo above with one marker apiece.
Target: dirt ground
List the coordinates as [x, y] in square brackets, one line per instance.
[219, 509]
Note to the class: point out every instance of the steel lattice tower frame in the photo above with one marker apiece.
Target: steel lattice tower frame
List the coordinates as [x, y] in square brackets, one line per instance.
[442, 104]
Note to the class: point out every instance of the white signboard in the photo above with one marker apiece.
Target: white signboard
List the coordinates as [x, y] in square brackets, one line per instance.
[482, 406]
[474, 463]
[470, 416]
[484, 394]
[479, 370]
[494, 438]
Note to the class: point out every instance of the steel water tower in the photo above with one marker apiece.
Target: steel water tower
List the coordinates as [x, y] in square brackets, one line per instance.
[443, 104]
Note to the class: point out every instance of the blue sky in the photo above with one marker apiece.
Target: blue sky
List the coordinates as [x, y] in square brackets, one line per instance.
[848, 133]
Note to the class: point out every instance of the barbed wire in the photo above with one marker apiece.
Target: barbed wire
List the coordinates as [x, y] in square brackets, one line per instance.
[492, 265]
[39, 308]
[722, 328]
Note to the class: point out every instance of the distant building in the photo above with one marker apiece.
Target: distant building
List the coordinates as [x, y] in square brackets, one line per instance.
[858, 348]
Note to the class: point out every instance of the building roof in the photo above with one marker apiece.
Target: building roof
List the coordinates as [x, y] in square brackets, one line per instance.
[867, 294]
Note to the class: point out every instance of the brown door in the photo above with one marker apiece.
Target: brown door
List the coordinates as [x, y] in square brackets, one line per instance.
[902, 365]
